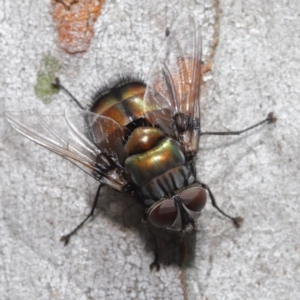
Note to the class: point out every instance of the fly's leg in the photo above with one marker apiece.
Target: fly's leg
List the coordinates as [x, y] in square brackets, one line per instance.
[66, 238]
[155, 263]
[236, 220]
[58, 85]
[270, 119]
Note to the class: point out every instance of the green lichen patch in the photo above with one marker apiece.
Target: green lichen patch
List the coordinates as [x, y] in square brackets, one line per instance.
[46, 75]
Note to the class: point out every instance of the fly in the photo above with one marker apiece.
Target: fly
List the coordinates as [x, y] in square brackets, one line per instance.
[141, 138]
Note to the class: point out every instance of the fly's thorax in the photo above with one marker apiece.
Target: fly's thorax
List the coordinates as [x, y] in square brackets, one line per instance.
[155, 164]
[143, 139]
[166, 183]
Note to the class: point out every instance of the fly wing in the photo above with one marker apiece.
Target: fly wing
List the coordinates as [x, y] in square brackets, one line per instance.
[173, 88]
[69, 135]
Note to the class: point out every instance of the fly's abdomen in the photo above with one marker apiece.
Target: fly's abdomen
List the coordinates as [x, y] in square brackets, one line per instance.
[123, 104]
[158, 168]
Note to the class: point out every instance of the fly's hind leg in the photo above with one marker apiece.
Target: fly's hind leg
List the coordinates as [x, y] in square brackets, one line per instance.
[59, 86]
[269, 119]
[66, 238]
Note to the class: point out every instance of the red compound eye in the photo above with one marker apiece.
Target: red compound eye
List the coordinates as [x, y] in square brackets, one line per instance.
[164, 214]
[194, 198]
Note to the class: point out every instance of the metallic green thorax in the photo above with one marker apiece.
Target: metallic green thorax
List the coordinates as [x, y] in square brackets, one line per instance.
[141, 168]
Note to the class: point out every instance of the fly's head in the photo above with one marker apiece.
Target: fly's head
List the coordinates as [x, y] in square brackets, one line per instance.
[180, 212]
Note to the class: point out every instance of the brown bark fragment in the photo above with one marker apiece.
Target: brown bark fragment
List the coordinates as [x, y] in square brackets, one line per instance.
[75, 23]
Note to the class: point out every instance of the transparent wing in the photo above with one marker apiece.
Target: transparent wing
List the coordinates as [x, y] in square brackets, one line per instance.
[174, 83]
[70, 135]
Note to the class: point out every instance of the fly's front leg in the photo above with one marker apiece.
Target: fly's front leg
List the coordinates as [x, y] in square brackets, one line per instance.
[66, 238]
[236, 220]
[270, 119]
[155, 263]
